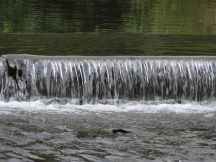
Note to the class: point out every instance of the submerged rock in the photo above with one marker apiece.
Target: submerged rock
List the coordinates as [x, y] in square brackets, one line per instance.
[120, 131]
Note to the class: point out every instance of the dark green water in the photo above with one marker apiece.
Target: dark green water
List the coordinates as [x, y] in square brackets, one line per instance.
[108, 16]
[108, 27]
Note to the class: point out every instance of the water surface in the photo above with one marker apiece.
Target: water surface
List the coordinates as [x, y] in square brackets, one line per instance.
[108, 16]
[159, 132]
[108, 27]
[50, 128]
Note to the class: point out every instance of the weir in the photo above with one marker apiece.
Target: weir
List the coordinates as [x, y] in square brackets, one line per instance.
[92, 79]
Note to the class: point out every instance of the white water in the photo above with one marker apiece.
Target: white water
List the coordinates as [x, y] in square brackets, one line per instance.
[141, 107]
[140, 78]
[70, 107]
[141, 84]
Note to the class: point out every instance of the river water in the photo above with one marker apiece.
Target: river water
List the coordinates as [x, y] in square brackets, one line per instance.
[34, 131]
[108, 27]
[66, 109]
[108, 16]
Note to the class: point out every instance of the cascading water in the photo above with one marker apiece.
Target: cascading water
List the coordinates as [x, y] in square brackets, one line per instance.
[69, 108]
[92, 79]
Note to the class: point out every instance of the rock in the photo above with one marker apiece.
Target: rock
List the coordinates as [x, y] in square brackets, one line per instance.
[120, 131]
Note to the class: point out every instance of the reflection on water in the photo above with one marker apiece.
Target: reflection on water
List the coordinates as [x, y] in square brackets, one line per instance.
[108, 27]
[108, 16]
[106, 44]
[114, 27]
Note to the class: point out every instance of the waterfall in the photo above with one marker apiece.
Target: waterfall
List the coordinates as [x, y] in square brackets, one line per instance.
[99, 78]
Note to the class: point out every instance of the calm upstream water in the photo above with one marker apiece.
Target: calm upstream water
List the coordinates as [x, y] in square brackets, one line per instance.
[65, 108]
[108, 27]
[108, 16]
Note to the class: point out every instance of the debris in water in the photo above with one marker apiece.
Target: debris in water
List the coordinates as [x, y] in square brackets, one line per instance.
[120, 131]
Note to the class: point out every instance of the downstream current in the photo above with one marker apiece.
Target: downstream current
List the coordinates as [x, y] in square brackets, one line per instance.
[66, 108]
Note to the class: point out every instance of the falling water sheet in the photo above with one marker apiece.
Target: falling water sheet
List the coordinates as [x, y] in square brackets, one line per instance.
[95, 79]
[67, 107]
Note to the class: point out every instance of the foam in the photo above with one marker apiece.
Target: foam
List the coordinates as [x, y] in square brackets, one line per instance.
[153, 107]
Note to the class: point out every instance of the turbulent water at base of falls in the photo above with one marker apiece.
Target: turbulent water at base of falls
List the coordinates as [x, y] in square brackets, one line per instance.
[93, 79]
